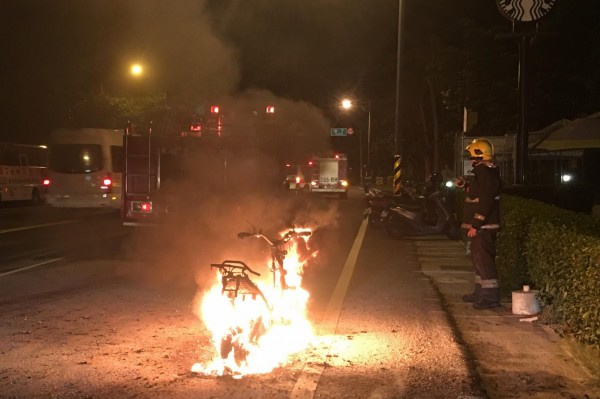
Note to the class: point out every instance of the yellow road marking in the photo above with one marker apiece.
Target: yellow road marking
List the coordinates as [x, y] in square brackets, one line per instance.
[306, 385]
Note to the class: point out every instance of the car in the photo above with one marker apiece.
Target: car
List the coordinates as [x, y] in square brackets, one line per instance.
[297, 178]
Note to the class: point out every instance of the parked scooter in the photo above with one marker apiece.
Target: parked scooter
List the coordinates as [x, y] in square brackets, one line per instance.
[380, 202]
[429, 218]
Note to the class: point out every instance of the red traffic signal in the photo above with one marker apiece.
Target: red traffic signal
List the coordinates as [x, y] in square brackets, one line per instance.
[270, 109]
[214, 109]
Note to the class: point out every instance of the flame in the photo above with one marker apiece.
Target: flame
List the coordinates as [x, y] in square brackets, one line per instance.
[252, 335]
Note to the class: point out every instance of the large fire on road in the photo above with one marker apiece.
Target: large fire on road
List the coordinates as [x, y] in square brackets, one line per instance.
[256, 326]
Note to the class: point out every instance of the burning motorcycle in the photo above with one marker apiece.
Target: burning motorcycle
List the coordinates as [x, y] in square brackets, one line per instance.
[249, 320]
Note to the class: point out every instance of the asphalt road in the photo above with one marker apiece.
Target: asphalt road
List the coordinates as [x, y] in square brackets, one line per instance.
[32, 235]
[116, 315]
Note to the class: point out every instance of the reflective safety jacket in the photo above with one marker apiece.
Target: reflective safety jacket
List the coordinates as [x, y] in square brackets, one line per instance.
[482, 200]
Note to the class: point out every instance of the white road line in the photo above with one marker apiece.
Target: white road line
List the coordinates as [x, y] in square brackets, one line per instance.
[30, 266]
[36, 226]
[308, 381]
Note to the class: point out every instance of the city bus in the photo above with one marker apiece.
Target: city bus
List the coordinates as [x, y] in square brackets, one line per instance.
[23, 174]
[85, 168]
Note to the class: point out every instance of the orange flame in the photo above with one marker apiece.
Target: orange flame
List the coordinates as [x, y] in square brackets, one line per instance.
[254, 337]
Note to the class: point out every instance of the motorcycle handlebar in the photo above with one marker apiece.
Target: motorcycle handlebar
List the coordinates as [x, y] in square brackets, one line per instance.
[274, 242]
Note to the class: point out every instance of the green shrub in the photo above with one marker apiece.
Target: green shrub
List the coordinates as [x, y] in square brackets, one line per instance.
[565, 265]
[558, 252]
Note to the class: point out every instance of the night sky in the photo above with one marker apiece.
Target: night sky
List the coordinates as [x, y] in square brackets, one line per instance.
[315, 51]
[310, 53]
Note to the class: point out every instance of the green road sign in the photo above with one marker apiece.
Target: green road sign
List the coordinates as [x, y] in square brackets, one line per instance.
[339, 131]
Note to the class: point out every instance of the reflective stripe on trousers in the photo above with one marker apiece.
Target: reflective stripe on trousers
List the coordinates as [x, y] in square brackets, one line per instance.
[483, 256]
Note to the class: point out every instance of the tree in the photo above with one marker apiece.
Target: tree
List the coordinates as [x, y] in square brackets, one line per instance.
[107, 111]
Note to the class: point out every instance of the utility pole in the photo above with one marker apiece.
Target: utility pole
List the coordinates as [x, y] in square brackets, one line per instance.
[397, 136]
[397, 133]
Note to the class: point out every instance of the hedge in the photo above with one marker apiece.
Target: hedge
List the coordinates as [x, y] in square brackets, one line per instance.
[557, 252]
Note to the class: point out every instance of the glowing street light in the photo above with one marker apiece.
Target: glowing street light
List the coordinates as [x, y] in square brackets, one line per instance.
[136, 70]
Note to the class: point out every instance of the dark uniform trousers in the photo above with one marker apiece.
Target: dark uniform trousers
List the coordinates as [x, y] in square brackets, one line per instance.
[483, 255]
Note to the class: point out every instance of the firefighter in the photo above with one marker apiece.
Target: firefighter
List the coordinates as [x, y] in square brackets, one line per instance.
[481, 220]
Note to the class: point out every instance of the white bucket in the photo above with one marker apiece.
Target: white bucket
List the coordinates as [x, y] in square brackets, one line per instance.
[525, 302]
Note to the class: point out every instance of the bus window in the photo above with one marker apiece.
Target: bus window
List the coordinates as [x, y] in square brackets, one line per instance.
[76, 158]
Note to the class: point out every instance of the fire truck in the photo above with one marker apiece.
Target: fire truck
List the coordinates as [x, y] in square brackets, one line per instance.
[329, 174]
[166, 176]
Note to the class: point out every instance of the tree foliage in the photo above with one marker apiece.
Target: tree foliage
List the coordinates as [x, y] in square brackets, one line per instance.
[466, 55]
[108, 111]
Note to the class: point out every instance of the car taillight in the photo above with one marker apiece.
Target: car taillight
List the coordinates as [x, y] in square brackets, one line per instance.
[46, 182]
[297, 179]
[141, 206]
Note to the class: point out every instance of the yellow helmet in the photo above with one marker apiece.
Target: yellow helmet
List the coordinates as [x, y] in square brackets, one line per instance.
[481, 149]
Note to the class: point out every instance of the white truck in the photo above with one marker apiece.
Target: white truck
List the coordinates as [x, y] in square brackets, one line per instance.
[330, 174]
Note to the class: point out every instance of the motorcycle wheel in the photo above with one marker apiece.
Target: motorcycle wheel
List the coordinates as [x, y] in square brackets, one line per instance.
[394, 228]
[375, 219]
[240, 353]
[226, 346]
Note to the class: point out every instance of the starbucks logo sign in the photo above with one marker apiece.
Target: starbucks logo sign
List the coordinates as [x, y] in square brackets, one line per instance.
[524, 10]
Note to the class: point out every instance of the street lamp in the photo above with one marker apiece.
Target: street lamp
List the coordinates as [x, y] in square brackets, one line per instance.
[136, 70]
[347, 104]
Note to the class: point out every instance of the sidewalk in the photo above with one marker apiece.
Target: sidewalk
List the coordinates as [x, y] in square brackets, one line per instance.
[507, 353]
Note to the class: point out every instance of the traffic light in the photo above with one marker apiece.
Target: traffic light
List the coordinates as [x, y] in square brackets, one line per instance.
[270, 109]
[215, 124]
